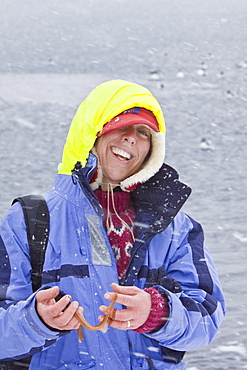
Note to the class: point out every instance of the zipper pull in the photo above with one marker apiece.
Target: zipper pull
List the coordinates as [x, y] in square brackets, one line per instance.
[76, 168]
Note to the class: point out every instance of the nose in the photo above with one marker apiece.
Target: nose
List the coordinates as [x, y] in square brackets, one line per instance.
[129, 135]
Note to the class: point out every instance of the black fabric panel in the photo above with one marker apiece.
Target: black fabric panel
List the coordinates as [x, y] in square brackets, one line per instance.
[54, 276]
[37, 219]
[196, 240]
[32, 352]
[166, 192]
[210, 304]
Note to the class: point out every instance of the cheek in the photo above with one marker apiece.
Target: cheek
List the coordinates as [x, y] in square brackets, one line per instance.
[145, 148]
[99, 146]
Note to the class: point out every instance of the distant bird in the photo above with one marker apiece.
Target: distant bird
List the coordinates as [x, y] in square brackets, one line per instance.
[230, 94]
[51, 62]
[210, 56]
[206, 144]
[160, 85]
[154, 75]
[204, 66]
[201, 72]
[221, 74]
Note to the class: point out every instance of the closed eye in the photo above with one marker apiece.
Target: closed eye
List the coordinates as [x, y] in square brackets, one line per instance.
[144, 131]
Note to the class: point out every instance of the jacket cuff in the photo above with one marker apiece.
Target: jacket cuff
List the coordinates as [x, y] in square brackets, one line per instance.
[159, 313]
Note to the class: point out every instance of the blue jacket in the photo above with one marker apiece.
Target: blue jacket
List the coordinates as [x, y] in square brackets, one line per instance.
[169, 254]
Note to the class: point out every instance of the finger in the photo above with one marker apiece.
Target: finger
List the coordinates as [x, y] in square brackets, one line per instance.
[61, 324]
[128, 290]
[64, 309]
[72, 324]
[103, 308]
[126, 300]
[119, 315]
[116, 324]
[47, 294]
[105, 311]
[76, 326]
[67, 317]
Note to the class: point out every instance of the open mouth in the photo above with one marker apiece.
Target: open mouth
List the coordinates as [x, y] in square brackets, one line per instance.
[121, 154]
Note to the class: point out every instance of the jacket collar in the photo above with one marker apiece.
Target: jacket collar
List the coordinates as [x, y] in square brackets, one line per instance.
[156, 202]
[161, 197]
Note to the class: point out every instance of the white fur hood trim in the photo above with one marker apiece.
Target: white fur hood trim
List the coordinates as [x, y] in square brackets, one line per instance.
[149, 169]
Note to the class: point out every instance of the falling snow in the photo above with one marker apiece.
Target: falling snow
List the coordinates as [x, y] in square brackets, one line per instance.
[193, 57]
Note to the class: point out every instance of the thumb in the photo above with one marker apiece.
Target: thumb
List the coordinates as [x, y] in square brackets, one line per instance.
[47, 294]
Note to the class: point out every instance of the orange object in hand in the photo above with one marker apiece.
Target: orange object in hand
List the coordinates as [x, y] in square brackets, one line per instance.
[103, 326]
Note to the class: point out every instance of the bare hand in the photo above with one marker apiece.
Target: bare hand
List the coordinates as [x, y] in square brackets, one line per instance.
[138, 303]
[52, 312]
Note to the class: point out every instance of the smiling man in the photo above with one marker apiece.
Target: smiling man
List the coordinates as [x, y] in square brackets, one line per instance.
[116, 226]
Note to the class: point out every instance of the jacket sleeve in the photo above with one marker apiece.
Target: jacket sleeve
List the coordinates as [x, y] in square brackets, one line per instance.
[22, 332]
[197, 311]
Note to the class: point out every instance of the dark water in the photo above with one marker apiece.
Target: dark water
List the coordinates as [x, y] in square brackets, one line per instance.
[53, 53]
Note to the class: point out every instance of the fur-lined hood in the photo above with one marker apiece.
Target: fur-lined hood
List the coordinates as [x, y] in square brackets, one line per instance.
[105, 102]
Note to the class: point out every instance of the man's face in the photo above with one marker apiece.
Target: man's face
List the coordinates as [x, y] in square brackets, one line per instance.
[122, 151]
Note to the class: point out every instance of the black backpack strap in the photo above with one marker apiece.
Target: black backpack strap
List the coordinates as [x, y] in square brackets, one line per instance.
[22, 364]
[37, 219]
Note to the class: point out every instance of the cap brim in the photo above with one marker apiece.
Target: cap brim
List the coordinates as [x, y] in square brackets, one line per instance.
[128, 119]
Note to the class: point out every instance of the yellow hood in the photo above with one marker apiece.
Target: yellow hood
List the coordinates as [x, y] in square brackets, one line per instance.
[104, 103]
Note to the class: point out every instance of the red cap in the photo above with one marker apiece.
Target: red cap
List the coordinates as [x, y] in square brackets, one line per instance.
[133, 116]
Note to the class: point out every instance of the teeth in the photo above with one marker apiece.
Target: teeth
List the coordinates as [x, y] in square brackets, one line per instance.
[121, 152]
